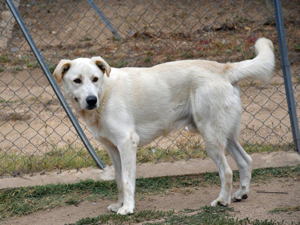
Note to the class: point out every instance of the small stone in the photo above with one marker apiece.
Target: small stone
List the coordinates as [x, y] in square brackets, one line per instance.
[14, 49]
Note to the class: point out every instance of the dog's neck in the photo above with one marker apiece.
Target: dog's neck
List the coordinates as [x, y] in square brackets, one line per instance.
[89, 116]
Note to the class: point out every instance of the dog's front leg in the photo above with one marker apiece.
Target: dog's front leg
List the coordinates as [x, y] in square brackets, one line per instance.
[116, 160]
[127, 149]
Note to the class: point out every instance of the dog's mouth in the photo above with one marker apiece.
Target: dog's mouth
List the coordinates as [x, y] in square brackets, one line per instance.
[91, 107]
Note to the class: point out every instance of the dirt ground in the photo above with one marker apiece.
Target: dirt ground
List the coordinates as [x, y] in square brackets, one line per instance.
[257, 206]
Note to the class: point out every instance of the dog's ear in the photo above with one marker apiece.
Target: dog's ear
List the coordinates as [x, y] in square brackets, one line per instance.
[61, 69]
[103, 66]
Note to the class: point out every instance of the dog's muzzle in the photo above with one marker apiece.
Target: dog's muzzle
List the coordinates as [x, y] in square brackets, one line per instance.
[91, 102]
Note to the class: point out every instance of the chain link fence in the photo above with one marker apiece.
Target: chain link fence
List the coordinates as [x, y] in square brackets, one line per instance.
[37, 136]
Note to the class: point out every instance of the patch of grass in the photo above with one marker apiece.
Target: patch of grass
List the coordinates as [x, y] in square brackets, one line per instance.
[51, 67]
[18, 62]
[73, 201]
[287, 209]
[137, 217]
[23, 201]
[150, 53]
[121, 63]
[65, 158]
[148, 59]
[70, 157]
[204, 215]
[263, 175]
[170, 58]
[187, 55]
[32, 64]
[18, 68]
[9, 101]
[4, 59]
[259, 148]
[118, 39]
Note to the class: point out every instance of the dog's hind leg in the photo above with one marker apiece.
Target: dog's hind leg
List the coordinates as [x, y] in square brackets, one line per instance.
[244, 163]
[116, 160]
[216, 151]
[127, 148]
[215, 144]
[215, 108]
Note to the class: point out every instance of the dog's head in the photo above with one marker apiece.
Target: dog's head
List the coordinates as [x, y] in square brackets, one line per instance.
[82, 80]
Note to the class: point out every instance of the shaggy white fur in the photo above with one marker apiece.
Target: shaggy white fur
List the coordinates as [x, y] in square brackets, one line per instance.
[130, 107]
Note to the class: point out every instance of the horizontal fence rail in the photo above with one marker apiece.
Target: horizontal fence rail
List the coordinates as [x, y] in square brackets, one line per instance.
[36, 135]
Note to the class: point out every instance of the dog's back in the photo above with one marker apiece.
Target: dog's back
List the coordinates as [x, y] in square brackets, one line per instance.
[166, 97]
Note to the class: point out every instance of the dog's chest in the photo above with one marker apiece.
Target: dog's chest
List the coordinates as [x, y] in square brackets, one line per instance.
[96, 132]
[93, 123]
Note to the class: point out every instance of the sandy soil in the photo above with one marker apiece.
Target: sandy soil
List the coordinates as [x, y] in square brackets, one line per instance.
[257, 206]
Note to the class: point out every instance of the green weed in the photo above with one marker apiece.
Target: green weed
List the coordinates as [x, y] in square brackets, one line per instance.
[121, 63]
[148, 59]
[18, 68]
[9, 101]
[32, 64]
[51, 67]
[73, 201]
[4, 59]
[287, 209]
[187, 55]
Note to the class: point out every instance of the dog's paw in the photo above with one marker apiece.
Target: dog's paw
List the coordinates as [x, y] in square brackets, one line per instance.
[114, 207]
[221, 202]
[239, 195]
[125, 210]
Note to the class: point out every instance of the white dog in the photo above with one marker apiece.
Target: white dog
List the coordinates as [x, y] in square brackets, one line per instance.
[129, 107]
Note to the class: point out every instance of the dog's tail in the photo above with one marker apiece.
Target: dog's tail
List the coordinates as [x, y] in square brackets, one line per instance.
[261, 67]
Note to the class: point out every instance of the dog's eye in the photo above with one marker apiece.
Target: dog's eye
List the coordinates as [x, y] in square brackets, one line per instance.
[95, 79]
[77, 81]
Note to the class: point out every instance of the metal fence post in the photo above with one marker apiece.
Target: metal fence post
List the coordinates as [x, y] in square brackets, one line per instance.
[287, 74]
[53, 84]
[108, 24]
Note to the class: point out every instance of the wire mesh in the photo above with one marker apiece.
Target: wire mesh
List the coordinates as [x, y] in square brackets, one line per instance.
[37, 136]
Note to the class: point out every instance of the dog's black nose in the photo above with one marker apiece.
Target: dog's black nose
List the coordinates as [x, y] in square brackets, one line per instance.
[91, 101]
